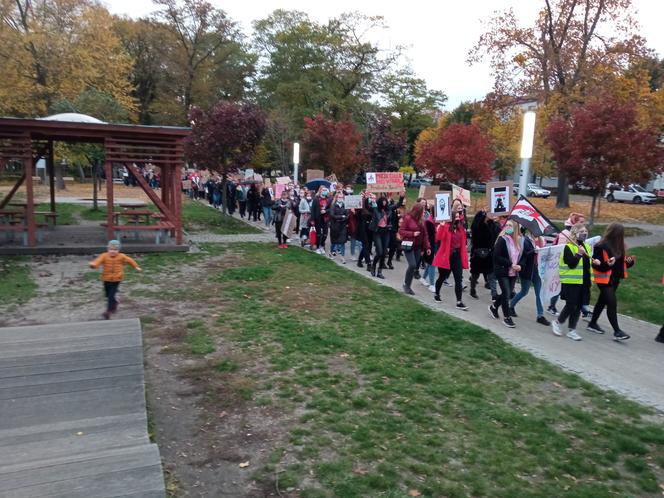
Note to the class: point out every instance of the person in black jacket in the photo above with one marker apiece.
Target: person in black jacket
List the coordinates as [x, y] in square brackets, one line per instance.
[338, 226]
[365, 235]
[266, 204]
[381, 214]
[529, 275]
[483, 234]
[253, 202]
[506, 256]
[280, 209]
[609, 266]
[320, 215]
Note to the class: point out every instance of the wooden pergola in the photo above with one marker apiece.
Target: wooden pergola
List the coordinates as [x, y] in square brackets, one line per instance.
[27, 140]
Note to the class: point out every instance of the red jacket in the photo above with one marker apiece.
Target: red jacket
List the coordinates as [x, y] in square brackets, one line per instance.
[407, 231]
[444, 236]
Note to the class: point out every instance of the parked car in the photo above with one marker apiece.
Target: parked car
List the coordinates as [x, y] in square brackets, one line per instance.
[515, 189]
[535, 190]
[418, 182]
[632, 193]
[478, 187]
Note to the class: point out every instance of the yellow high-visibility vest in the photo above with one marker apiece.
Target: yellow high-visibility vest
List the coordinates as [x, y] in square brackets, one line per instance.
[572, 275]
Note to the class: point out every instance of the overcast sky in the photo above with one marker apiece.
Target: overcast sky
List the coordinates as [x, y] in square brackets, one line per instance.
[438, 35]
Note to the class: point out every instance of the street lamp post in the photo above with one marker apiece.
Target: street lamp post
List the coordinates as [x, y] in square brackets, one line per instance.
[527, 140]
[296, 161]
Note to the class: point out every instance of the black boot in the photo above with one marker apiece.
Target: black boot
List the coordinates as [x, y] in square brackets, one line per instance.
[389, 264]
[380, 273]
[373, 269]
[660, 337]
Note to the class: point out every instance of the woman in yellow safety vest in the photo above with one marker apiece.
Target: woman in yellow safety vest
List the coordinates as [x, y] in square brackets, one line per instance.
[612, 263]
[575, 279]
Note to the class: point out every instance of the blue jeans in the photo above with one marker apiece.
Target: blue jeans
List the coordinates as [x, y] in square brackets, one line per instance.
[430, 274]
[536, 282]
[340, 248]
[352, 246]
[267, 216]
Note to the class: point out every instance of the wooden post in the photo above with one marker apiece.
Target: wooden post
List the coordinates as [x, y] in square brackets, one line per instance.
[177, 202]
[108, 168]
[11, 193]
[30, 198]
[51, 172]
[165, 187]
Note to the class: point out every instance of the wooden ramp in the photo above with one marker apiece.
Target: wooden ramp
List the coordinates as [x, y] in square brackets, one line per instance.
[72, 413]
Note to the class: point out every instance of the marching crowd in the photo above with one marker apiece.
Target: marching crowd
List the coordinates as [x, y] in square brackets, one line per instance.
[498, 249]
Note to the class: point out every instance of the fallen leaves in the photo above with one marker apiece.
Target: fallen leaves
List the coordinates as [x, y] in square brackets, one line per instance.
[414, 493]
[244, 465]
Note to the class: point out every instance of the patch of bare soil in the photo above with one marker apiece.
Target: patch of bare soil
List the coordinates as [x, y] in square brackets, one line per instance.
[213, 437]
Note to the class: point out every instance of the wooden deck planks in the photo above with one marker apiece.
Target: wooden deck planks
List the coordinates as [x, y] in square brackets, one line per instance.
[72, 413]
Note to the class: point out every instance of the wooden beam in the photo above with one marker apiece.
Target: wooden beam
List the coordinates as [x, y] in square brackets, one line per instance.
[108, 168]
[51, 171]
[177, 176]
[11, 193]
[151, 193]
[30, 198]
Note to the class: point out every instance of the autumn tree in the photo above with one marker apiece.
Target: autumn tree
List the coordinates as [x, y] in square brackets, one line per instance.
[57, 49]
[457, 153]
[224, 139]
[603, 142]
[333, 146]
[385, 147]
[555, 58]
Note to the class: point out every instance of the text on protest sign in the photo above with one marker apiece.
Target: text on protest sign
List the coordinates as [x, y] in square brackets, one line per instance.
[462, 194]
[385, 182]
[499, 197]
[353, 201]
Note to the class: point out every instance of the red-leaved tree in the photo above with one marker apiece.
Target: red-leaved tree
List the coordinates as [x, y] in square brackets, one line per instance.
[460, 152]
[333, 146]
[225, 138]
[603, 142]
[386, 146]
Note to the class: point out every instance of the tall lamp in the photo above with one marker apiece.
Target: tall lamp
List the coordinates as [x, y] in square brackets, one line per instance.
[527, 140]
[296, 161]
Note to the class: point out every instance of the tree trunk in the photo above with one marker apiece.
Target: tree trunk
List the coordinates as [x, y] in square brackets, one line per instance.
[59, 181]
[81, 173]
[224, 191]
[95, 187]
[562, 198]
[592, 209]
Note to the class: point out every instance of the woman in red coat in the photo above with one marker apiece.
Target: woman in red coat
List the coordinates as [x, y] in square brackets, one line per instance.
[414, 242]
[452, 256]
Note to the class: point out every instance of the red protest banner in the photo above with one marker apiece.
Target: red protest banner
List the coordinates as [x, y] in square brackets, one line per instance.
[385, 182]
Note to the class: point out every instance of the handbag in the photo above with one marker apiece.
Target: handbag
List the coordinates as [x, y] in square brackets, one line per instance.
[482, 252]
[312, 236]
[406, 245]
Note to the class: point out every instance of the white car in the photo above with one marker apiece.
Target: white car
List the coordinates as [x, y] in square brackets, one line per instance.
[535, 190]
[632, 193]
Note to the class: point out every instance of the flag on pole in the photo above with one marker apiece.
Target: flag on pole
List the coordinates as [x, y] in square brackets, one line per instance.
[527, 215]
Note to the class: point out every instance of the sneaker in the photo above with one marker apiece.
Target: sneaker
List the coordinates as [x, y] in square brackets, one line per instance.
[446, 283]
[543, 321]
[552, 310]
[474, 295]
[508, 323]
[494, 312]
[461, 306]
[464, 287]
[513, 313]
[106, 315]
[593, 327]
[390, 266]
[417, 274]
[343, 260]
[620, 336]
[573, 335]
[408, 290]
[555, 328]
[586, 316]
[432, 288]
[424, 282]
[437, 297]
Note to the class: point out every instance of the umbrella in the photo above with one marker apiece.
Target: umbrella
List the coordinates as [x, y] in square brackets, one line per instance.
[316, 183]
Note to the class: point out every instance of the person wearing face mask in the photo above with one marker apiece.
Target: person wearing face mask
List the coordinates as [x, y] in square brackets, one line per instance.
[320, 216]
[338, 226]
[610, 264]
[414, 241]
[266, 204]
[363, 234]
[483, 234]
[305, 215]
[529, 275]
[451, 257]
[279, 211]
[380, 227]
[506, 257]
[575, 269]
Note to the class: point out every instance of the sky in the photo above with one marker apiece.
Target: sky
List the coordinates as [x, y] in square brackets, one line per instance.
[437, 35]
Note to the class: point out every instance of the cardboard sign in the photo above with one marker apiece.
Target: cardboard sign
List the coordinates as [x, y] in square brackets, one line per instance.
[332, 178]
[284, 180]
[428, 191]
[248, 173]
[385, 182]
[443, 206]
[278, 189]
[315, 174]
[462, 194]
[353, 201]
[186, 184]
[289, 224]
[257, 178]
[499, 197]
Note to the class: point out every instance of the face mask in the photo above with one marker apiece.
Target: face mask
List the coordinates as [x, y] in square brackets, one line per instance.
[324, 193]
[509, 231]
[348, 191]
[373, 204]
[308, 197]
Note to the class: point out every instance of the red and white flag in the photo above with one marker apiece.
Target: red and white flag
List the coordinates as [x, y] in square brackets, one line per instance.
[527, 215]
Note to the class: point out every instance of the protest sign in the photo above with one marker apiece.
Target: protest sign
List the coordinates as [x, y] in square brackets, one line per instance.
[385, 182]
[186, 184]
[315, 174]
[353, 201]
[428, 191]
[248, 173]
[548, 265]
[284, 180]
[461, 194]
[443, 206]
[499, 197]
[278, 189]
[332, 178]
[289, 224]
[257, 178]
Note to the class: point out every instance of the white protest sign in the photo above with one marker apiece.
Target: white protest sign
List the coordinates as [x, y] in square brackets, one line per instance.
[353, 201]
[443, 206]
[548, 261]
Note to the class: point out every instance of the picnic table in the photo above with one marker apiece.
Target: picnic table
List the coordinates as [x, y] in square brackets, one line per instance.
[49, 216]
[142, 220]
[137, 216]
[133, 205]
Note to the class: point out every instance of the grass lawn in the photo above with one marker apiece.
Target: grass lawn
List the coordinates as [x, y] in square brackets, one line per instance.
[641, 295]
[198, 217]
[387, 398]
[16, 283]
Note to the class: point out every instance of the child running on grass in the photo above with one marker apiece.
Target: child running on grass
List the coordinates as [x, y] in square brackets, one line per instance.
[113, 262]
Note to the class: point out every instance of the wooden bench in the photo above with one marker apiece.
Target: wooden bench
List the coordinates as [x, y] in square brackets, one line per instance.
[161, 229]
[18, 226]
[50, 216]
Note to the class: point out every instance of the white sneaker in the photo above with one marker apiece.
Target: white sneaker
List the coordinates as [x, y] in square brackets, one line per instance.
[573, 335]
[343, 260]
[555, 328]
[432, 288]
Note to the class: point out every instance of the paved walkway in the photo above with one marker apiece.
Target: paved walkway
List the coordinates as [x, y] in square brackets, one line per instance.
[73, 421]
[632, 368]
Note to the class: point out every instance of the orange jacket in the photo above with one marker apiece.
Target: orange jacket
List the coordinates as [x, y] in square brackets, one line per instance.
[113, 270]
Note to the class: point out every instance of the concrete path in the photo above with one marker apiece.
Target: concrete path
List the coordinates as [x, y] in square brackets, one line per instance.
[73, 420]
[632, 368]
